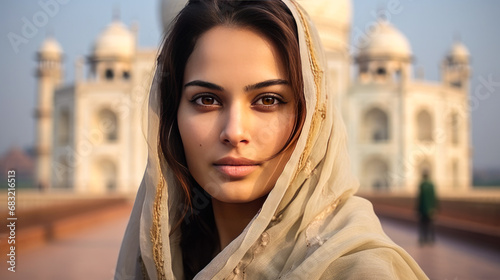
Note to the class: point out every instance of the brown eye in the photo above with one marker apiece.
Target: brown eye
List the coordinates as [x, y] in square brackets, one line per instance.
[268, 100]
[207, 100]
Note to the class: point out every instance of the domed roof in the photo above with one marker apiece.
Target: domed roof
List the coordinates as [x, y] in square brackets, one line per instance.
[385, 40]
[335, 11]
[50, 47]
[459, 50]
[115, 41]
[169, 10]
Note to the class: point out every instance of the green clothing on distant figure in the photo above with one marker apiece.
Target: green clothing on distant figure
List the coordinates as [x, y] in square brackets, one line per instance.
[427, 201]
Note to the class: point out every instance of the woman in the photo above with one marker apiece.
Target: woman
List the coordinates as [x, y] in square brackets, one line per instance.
[248, 175]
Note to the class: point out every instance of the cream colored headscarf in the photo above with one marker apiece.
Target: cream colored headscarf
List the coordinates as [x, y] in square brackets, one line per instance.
[310, 226]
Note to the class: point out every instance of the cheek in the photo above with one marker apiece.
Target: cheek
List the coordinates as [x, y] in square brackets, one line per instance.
[274, 131]
[193, 132]
[189, 136]
[286, 122]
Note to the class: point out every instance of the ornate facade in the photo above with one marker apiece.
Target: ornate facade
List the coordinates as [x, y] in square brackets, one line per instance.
[91, 135]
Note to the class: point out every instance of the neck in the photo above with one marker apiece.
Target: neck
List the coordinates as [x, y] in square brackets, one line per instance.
[232, 218]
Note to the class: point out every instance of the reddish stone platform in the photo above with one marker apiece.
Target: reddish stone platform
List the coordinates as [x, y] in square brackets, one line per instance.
[88, 253]
[91, 253]
[449, 258]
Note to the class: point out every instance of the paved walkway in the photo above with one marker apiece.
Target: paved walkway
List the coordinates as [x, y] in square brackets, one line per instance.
[92, 254]
[448, 258]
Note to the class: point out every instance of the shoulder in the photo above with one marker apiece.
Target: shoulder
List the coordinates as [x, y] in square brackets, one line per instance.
[351, 244]
[356, 212]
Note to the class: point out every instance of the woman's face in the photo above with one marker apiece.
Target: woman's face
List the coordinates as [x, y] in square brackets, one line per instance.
[236, 113]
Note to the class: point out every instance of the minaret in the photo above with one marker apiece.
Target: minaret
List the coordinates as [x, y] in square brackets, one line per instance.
[50, 76]
[455, 73]
[455, 69]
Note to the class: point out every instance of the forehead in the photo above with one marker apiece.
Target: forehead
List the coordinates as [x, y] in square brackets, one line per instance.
[233, 53]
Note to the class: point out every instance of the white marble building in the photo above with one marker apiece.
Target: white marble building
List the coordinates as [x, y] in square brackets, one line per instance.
[90, 136]
[90, 133]
[399, 126]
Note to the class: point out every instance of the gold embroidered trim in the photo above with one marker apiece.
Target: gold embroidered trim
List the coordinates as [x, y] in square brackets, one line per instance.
[312, 230]
[155, 231]
[318, 116]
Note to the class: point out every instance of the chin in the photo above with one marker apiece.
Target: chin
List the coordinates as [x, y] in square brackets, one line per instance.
[236, 192]
[232, 200]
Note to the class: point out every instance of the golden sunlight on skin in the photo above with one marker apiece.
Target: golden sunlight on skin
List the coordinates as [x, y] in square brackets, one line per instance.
[236, 113]
[230, 123]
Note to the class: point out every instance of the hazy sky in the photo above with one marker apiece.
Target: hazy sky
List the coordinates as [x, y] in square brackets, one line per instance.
[430, 27]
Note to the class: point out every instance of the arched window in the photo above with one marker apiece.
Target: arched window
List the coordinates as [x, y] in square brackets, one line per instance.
[108, 170]
[381, 71]
[104, 176]
[454, 127]
[61, 171]
[380, 74]
[108, 125]
[376, 174]
[424, 126]
[376, 125]
[63, 129]
[126, 75]
[455, 183]
[457, 84]
[397, 75]
[109, 74]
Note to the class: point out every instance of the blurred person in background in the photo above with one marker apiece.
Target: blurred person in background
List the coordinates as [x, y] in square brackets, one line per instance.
[426, 208]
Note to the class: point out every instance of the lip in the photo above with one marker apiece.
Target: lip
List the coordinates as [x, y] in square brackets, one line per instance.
[236, 168]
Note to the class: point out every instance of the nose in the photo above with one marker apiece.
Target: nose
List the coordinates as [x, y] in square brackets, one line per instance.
[234, 131]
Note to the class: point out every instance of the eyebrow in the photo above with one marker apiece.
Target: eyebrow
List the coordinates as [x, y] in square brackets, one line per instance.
[204, 84]
[260, 85]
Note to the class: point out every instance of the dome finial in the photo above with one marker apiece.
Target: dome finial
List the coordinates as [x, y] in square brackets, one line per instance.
[49, 33]
[116, 12]
[458, 50]
[382, 14]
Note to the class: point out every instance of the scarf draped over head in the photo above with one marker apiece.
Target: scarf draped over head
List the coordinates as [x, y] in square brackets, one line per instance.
[310, 226]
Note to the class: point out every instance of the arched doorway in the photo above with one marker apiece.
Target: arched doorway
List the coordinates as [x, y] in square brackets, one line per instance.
[107, 124]
[375, 175]
[376, 125]
[424, 126]
[104, 176]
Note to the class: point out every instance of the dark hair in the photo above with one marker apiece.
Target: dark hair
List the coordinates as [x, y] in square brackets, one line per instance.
[271, 19]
